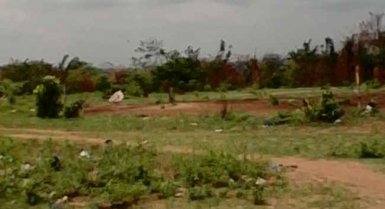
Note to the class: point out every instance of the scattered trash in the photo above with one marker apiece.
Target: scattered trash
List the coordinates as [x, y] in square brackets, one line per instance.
[116, 97]
[59, 204]
[194, 124]
[180, 192]
[279, 167]
[52, 195]
[246, 178]
[26, 167]
[280, 119]
[231, 181]
[84, 154]
[218, 130]
[338, 121]
[55, 163]
[32, 110]
[370, 109]
[260, 181]
[13, 111]
[275, 167]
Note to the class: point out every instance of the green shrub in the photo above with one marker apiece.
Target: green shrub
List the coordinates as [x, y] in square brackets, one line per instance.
[372, 84]
[224, 87]
[329, 110]
[103, 84]
[73, 111]
[218, 170]
[273, 100]
[48, 98]
[259, 195]
[370, 148]
[200, 192]
[168, 189]
[133, 89]
[8, 89]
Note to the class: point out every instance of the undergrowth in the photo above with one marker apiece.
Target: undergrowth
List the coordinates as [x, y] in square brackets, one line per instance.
[121, 176]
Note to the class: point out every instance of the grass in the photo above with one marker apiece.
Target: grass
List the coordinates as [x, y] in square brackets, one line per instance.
[119, 175]
[133, 175]
[241, 134]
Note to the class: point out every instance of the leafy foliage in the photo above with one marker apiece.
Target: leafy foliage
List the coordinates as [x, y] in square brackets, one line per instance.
[181, 72]
[120, 175]
[217, 170]
[73, 111]
[48, 98]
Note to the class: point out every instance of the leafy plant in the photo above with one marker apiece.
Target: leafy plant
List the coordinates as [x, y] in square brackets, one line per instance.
[73, 111]
[48, 98]
[133, 89]
[273, 100]
[259, 195]
[200, 192]
[168, 189]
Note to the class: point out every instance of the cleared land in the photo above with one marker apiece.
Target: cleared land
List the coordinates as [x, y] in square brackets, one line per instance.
[329, 173]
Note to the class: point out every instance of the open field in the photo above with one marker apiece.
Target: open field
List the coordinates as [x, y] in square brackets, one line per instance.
[330, 166]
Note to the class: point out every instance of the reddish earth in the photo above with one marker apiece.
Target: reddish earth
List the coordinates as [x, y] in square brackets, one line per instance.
[363, 181]
[256, 107]
[190, 108]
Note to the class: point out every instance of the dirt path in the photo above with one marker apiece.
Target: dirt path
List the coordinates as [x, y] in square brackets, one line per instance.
[260, 107]
[40, 134]
[255, 107]
[363, 181]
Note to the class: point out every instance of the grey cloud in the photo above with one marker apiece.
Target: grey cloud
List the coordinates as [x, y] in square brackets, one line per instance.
[349, 5]
[98, 30]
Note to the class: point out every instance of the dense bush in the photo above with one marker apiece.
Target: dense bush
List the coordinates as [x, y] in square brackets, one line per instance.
[8, 90]
[28, 72]
[103, 83]
[48, 95]
[370, 148]
[133, 89]
[73, 111]
[326, 109]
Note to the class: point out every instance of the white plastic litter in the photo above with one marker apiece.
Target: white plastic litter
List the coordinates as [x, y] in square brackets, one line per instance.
[84, 154]
[260, 181]
[116, 97]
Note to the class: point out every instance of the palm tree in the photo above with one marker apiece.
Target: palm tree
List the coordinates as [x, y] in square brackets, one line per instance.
[65, 67]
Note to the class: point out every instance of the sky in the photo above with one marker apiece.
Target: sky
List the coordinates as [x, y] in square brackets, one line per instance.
[100, 31]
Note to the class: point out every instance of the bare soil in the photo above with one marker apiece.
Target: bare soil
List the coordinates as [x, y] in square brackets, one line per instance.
[260, 107]
[363, 181]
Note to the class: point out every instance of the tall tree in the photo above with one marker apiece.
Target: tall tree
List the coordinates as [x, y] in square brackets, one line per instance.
[64, 67]
[152, 52]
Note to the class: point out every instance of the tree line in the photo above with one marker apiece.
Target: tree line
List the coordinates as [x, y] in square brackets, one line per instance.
[158, 69]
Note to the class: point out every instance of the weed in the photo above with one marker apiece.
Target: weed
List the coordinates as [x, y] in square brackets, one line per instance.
[48, 98]
[259, 195]
[200, 192]
[73, 111]
[273, 100]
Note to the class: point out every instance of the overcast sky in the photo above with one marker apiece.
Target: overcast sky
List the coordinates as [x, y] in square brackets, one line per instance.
[109, 30]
